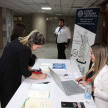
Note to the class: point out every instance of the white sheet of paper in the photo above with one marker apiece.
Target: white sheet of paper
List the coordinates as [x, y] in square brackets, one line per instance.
[39, 94]
[46, 64]
[39, 86]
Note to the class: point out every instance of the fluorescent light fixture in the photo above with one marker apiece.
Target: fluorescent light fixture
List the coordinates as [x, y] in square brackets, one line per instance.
[58, 14]
[46, 8]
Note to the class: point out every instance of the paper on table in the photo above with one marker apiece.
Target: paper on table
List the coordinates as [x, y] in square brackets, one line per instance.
[39, 86]
[39, 94]
[68, 75]
[36, 103]
[61, 61]
[45, 69]
[46, 64]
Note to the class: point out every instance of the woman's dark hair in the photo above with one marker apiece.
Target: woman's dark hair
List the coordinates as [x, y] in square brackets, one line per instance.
[18, 29]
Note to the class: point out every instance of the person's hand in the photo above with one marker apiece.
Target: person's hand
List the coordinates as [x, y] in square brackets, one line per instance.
[66, 46]
[55, 35]
[80, 78]
[42, 76]
[93, 89]
[84, 83]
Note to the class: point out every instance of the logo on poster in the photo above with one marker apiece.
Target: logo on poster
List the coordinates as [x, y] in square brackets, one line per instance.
[80, 13]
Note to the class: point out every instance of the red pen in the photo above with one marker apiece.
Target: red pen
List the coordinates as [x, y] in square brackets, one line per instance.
[37, 72]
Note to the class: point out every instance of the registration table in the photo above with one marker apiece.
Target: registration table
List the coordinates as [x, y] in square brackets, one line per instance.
[56, 95]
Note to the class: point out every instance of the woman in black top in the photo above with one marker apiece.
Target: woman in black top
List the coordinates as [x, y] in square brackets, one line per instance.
[14, 63]
[18, 31]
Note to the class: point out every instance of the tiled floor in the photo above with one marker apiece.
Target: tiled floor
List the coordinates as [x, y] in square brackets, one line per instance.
[47, 51]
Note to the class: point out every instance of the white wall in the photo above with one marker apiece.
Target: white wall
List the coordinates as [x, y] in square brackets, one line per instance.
[1, 37]
[27, 21]
[7, 25]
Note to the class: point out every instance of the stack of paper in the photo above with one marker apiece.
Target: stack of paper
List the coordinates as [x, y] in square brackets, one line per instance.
[36, 103]
[39, 86]
[39, 94]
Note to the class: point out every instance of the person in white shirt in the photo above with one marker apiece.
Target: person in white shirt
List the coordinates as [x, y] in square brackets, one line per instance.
[98, 74]
[63, 37]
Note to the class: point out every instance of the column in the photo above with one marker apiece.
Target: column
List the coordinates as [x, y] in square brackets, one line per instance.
[39, 23]
[1, 37]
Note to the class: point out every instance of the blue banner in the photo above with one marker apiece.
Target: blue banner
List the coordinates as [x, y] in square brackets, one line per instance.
[88, 18]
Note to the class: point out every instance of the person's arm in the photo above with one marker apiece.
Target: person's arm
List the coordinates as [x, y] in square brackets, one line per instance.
[68, 42]
[32, 60]
[24, 57]
[102, 94]
[32, 69]
[38, 77]
[55, 34]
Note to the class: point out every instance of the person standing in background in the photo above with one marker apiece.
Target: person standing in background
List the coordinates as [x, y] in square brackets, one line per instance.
[18, 31]
[63, 37]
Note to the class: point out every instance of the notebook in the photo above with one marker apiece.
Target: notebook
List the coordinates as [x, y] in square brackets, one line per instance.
[59, 66]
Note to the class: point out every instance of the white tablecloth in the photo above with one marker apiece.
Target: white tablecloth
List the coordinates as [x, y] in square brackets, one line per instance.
[56, 95]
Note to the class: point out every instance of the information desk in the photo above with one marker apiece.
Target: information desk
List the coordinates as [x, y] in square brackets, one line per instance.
[56, 95]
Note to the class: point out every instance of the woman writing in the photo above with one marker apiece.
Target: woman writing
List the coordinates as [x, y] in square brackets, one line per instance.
[98, 74]
[14, 63]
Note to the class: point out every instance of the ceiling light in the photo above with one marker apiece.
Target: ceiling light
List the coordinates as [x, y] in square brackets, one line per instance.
[46, 8]
[58, 14]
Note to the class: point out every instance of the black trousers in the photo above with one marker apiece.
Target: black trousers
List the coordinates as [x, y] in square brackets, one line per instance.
[61, 50]
[6, 93]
